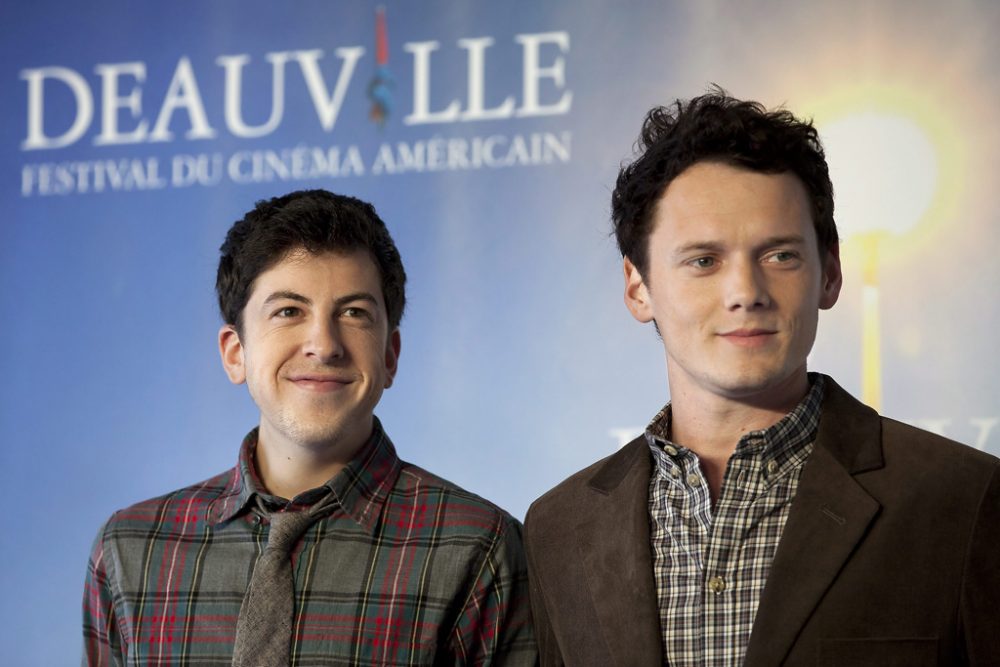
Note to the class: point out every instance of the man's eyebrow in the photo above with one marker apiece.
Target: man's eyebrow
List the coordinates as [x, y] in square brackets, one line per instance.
[357, 296]
[716, 246]
[698, 246]
[281, 295]
[791, 239]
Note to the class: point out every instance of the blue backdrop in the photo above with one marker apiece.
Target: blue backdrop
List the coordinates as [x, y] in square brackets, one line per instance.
[134, 135]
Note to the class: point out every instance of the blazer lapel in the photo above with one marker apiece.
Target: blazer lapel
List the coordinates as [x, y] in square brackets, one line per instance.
[830, 514]
[614, 546]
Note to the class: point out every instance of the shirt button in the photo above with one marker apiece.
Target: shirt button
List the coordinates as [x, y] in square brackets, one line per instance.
[772, 467]
[694, 480]
[675, 472]
[670, 449]
[716, 585]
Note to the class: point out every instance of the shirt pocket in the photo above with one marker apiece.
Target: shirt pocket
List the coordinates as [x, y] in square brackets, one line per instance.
[883, 652]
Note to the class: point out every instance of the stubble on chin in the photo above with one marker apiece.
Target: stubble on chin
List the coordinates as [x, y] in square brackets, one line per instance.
[316, 438]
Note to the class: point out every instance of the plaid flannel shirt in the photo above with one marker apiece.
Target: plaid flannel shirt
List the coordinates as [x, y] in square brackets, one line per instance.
[402, 568]
[710, 566]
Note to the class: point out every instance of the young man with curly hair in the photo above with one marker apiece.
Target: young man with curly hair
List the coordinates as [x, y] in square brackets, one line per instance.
[765, 516]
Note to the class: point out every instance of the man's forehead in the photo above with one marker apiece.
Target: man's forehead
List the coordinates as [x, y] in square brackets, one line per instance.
[712, 230]
[711, 203]
[706, 183]
[323, 274]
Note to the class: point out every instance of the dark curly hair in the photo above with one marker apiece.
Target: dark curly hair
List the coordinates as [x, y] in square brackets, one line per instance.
[318, 221]
[716, 127]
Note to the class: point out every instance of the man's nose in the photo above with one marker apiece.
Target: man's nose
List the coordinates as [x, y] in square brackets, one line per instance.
[323, 340]
[746, 287]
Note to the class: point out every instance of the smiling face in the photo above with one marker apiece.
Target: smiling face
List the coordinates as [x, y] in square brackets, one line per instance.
[734, 283]
[315, 350]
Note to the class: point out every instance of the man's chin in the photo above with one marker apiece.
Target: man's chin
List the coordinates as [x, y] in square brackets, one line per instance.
[321, 438]
[763, 389]
[326, 437]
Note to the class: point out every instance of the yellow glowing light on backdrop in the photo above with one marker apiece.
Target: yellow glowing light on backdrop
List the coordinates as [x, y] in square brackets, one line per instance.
[896, 165]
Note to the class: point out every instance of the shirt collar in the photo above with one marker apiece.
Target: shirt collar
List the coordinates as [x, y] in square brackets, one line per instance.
[779, 442]
[360, 489]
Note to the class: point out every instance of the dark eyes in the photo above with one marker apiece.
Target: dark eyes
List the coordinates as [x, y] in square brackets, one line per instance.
[781, 257]
[777, 257]
[351, 313]
[354, 312]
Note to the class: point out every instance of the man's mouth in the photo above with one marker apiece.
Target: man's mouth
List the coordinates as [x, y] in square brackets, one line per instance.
[320, 381]
[749, 337]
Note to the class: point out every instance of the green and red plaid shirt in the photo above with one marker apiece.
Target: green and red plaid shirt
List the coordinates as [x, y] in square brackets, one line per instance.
[403, 568]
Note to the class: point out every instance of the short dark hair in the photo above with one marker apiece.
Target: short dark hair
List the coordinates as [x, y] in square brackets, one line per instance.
[720, 128]
[318, 221]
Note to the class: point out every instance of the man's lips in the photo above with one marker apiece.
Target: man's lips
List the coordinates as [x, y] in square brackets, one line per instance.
[319, 381]
[749, 337]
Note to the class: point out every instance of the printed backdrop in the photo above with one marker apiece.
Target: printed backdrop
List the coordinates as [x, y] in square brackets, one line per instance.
[488, 135]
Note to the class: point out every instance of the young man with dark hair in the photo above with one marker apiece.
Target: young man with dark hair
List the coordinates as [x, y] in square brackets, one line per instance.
[320, 547]
[765, 517]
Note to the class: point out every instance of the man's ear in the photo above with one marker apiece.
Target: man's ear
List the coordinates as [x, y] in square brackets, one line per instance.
[833, 278]
[231, 351]
[392, 347]
[636, 293]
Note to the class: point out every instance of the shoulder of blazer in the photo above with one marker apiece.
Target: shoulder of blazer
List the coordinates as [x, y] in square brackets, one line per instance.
[861, 440]
[602, 477]
[850, 430]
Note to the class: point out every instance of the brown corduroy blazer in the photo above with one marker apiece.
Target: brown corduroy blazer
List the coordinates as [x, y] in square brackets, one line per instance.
[890, 556]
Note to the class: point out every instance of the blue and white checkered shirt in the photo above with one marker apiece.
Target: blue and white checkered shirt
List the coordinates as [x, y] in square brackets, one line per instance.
[710, 566]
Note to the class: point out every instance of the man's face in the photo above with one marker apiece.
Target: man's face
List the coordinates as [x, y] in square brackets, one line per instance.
[734, 283]
[315, 350]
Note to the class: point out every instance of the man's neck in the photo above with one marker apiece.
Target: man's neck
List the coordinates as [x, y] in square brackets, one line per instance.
[288, 468]
[711, 426]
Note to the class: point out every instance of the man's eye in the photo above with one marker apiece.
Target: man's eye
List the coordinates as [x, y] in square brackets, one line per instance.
[781, 257]
[288, 311]
[355, 312]
[703, 262]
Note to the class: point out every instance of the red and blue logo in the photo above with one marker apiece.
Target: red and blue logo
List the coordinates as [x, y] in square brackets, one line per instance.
[382, 83]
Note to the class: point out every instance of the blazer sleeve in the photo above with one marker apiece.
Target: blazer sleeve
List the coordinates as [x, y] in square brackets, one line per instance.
[979, 611]
[548, 647]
